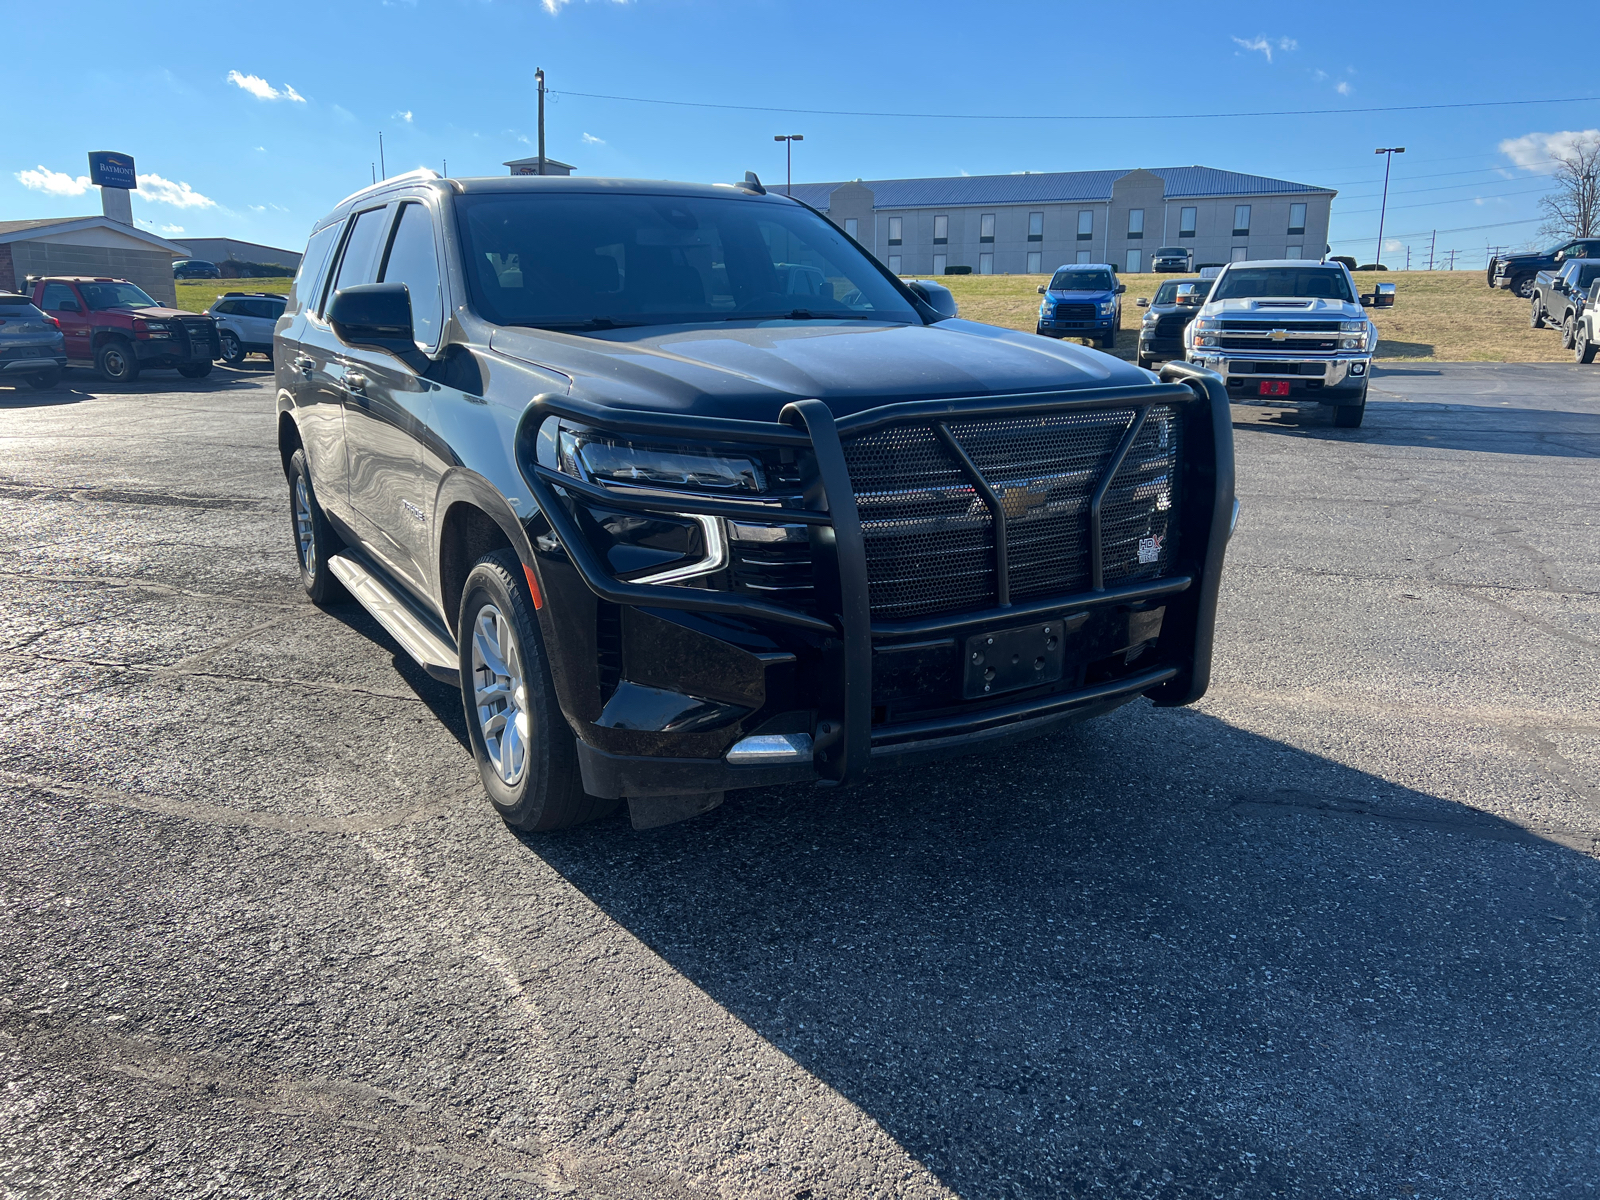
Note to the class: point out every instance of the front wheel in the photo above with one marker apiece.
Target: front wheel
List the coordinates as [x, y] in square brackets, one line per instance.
[1569, 331]
[195, 370]
[1148, 363]
[1582, 348]
[1348, 416]
[1109, 341]
[1535, 314]
[314, 542]
[116, 363]
[233, 350]
[527, 754]
[1523, 287]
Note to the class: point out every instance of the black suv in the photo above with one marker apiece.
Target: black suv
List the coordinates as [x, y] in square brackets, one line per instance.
[687, 492]
[195, 268]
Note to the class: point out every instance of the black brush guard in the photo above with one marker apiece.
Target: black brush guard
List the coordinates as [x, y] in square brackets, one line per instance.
[845, 741]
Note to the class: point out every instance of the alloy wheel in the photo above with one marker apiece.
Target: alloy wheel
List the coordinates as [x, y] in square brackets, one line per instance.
[305, 527]
[500, 693]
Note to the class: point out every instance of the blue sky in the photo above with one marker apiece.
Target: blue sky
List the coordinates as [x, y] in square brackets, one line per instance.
[251, 121]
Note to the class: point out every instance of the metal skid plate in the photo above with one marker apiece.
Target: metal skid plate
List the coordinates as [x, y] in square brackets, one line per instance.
[1007, 659]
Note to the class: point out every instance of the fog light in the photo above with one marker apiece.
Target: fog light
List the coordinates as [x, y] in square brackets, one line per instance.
[1358, 368]
[771, 748]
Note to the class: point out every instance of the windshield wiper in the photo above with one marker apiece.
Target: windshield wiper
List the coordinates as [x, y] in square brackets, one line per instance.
[587, 323]
[805, 314]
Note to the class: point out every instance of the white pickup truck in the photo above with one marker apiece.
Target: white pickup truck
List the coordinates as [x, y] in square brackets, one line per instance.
[1292, 332]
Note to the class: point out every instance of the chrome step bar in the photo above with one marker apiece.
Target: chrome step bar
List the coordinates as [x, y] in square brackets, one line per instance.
[419, 635]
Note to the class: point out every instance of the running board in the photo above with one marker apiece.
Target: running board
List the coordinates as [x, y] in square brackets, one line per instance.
[419, 635]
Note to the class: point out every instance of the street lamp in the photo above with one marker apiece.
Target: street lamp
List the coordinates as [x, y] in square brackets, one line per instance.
[788, 151]
[1391, 151]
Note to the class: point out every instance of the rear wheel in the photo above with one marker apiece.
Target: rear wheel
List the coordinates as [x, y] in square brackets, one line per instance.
[314, 542]
[195, 370]
[1582, 348]
[233, 350]
[527, 755]
[1348, 416]
[46, 380]
[116, 363]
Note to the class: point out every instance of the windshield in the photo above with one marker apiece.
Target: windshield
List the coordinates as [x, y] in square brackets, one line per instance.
[1587, 275]
[611, 260]
[100, 296]
[1322, 283]
[1168, 293]
[1081, 281]
[1175, 251]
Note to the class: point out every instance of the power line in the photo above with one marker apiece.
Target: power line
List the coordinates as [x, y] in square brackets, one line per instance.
[926, 116]
[1457, 200]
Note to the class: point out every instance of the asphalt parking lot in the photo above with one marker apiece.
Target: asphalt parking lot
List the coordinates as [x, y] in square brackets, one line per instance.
[1334, 931]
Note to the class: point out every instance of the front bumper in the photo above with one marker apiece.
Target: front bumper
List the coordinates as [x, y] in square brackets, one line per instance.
[178, 350]
[1323, 378]
[1063, 327]
[849, 690]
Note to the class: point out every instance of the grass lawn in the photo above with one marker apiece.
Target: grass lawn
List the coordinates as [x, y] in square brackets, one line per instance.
[197, 295]
[1448, 316]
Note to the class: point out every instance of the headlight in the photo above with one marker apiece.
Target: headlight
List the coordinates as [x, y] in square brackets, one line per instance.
[1150, 318]
[1352, 326]
[1204, 331]
[1107, 307]
[602, 458]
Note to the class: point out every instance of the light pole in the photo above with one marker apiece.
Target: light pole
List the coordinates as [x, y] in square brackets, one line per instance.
[1391, 151]
[788, 152]
[538, 78]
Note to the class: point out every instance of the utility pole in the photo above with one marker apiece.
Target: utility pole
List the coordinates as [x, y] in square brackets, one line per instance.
[374, 167]
[1383, 208]
[383, 167]
[1408, 256]
[446, 171]
[538, 77]
[1432, 241]
[1452, 265]
[790, 139]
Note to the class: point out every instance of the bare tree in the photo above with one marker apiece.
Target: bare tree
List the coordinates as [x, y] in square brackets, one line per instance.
[1572, 209]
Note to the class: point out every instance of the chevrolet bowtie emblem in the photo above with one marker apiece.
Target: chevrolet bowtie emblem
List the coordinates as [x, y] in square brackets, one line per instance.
[1279, 334]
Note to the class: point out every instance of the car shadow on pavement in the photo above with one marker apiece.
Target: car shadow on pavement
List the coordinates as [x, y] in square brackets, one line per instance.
[1153, 955]
[442, 700]
[29, 397]
[1494, 429]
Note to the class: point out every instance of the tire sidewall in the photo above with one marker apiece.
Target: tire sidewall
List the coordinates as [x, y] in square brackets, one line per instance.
[121, 350]
[230, 339]
[320, 584]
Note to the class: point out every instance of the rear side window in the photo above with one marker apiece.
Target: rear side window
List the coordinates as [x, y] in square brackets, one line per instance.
[313, 264]
[360, 258]
[225, 307]
[413, 261]
[57, 293]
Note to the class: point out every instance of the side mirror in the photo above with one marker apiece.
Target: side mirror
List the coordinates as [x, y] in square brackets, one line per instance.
[936, 296]
[1383, 295]
[1041, 289]
[1142, 302]
[377, 316]
[1121, 287]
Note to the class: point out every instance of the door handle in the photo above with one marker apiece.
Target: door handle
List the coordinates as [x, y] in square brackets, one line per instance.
[303, 364]
[354, 381]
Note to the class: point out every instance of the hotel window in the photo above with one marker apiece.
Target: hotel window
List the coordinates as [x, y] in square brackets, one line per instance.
[1297, 218]
[1135, 223]
[1085, 226]
[986, 264]
[852, 226]
[1295, 252]
[941, 230]
[1133, 262]
[1241, 220]
[1186, 218]
[1240, 254]
[894, 264]
[1036, 227]
[896, 228]
[1083, 255]
[986, 228]
[1035, 262]
[939, 264]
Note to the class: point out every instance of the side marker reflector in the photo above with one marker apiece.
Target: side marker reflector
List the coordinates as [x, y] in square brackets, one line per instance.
[533, 587]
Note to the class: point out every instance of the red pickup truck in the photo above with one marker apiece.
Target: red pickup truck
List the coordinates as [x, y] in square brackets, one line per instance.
[116, 328]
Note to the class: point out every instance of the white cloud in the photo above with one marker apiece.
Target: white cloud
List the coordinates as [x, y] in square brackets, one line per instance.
[257, 207]
[1343, 88]
[555, 6]
[1391, 244]
[179, 195]
[262, 90]
[403, 115]
[263, 149]
[1319, 75]
[589, 139]
[1534, 151]
[54, 183]
[172, 229]
[1263, 44]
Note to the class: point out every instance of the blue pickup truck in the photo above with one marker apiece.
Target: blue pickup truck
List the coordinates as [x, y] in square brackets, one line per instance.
[1084, 301]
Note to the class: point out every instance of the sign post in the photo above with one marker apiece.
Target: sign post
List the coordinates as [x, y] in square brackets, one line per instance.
[114, 174]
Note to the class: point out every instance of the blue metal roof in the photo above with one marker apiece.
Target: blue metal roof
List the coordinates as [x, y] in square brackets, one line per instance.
[1052, 187]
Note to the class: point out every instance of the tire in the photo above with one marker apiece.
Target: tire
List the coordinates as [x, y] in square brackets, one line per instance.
[46, 380]
[1582, 348]
[233, 351]
[1522, 286]
[1348, 416]
[1109, 341]
[1535, 314]
[116, 362]
[527, 754]
[1569, 329]
[314, 542]
[1490, 270]
[1148, 363]
[195, 370]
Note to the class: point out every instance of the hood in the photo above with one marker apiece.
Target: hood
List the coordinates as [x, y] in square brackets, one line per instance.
[752, 371]
[1289, 308]
[1101, 294]
[159, 313]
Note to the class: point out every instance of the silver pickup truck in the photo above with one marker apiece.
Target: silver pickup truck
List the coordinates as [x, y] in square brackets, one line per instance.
[1291, 332]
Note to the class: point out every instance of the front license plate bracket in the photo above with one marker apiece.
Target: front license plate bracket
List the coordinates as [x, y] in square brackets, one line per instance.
[1273, 387]
[1008, 659]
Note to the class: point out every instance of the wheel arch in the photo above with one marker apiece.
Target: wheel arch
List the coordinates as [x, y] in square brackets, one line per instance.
[472, 519]
[289, 439]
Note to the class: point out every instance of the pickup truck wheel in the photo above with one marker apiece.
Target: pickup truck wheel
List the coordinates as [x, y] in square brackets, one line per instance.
[314, 542]
[1582, 348]
[1109, 341]
[527, 754]
[1569, 330]
[233, 350]
[1535, 314]
[195, 370]
[1148, 363]
[1523, 286]
[1348, 416]
[116, 363]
